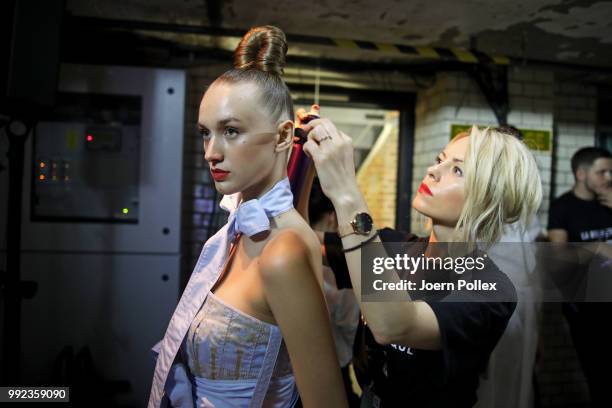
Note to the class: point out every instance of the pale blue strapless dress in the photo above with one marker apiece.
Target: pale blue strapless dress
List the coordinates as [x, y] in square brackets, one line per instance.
[225, 351]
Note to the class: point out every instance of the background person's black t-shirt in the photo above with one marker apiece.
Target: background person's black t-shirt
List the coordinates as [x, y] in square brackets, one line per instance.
[442, 378]
[584, 221]
[587, 221]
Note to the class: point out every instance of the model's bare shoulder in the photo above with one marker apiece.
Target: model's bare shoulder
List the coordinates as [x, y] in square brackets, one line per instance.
[308, 235]
[285, 252]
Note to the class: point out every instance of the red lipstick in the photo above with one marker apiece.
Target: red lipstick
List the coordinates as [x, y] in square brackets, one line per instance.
[424, 189]
[218, 174]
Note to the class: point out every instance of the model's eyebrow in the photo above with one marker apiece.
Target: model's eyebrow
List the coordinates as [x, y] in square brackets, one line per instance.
[222, 122]
[228, 120]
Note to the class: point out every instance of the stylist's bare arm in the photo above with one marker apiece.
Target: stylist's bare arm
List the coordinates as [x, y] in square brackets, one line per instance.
[409, 323]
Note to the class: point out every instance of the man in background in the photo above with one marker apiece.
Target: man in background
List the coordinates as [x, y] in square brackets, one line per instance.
[584, 214]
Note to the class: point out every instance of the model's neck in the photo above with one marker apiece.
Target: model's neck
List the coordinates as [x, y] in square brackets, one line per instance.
[261, 188]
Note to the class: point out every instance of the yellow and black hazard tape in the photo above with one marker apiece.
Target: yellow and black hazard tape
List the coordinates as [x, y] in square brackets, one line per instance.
[445, 54]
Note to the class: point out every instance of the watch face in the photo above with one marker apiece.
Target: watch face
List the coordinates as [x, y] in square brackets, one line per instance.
[363, 223]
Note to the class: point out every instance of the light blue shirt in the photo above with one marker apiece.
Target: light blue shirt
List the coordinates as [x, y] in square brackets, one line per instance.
[250, 217]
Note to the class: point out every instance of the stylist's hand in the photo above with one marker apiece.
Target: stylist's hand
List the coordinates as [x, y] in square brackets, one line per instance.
[332, 153]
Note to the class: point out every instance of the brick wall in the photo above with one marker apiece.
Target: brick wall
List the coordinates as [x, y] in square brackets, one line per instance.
[377, 177]
[531, 107]
[575, 118]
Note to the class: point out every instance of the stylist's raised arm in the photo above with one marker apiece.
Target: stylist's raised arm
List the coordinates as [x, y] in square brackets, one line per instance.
[408, 323]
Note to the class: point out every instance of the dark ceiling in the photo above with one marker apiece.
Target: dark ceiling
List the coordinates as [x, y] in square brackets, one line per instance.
[577, 32]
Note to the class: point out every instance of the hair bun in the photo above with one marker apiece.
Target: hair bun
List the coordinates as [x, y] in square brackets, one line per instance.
[263, 48]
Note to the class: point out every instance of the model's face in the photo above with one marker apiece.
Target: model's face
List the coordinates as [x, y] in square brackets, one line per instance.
[239, 137]
[599, 175]
[441, 195]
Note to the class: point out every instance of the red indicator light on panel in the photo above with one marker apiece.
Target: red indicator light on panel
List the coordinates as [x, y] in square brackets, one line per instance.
[41, 177]
[89, 138]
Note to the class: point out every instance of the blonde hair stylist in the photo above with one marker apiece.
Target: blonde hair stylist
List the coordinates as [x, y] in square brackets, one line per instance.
[430, 353]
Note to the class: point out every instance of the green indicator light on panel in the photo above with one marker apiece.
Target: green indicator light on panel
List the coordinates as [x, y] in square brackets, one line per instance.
[125, 210]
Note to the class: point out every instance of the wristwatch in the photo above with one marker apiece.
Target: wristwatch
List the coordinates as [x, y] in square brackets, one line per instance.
[361, 225]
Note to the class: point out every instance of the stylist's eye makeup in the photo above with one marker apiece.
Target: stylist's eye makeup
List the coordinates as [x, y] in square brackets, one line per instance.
[455, 169]
[440, 157]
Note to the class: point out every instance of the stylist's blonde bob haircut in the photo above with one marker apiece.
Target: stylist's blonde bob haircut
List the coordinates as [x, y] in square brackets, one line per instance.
[502, 185]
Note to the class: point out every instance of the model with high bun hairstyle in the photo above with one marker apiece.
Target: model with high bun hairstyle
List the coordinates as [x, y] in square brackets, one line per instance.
[251, 328]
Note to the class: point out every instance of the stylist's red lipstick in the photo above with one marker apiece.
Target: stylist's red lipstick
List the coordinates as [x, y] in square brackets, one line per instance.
[424, 189]
[218, 174]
